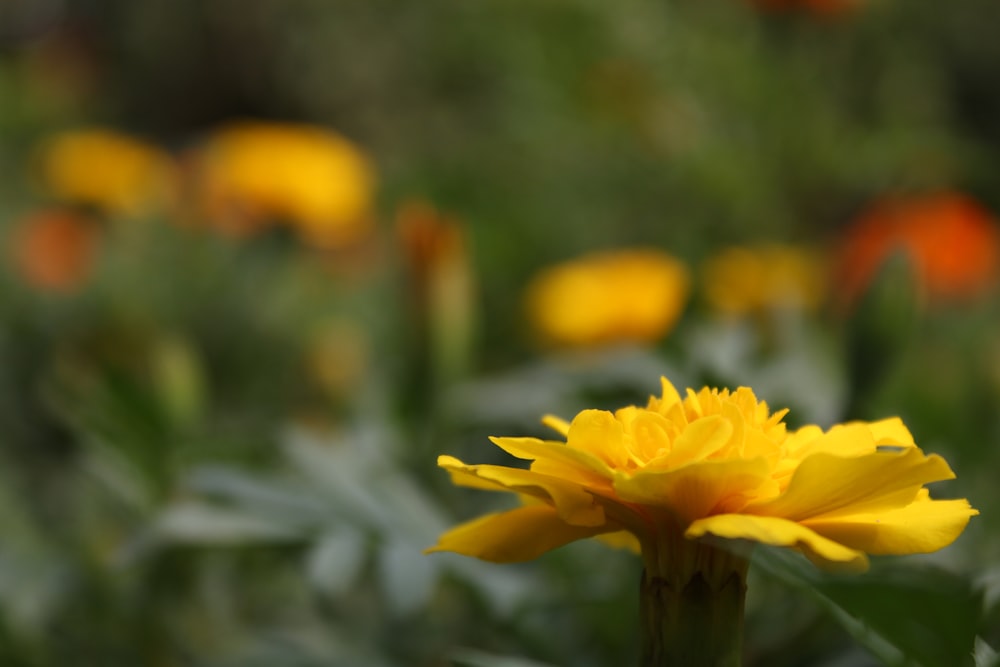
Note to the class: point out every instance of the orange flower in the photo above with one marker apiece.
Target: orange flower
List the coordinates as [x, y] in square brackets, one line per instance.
[951, 241]
[428, 238]
[55, 250]
[442, 282]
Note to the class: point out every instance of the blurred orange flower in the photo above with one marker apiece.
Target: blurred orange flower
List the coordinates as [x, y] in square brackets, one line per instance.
[428, 238]
[950, 239]
[254, 173]
[743, 280]
[109, 171]
[619, 296]
[55, 250]
[442, 282]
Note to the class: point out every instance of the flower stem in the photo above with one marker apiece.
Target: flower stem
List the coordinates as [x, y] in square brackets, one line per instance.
[691, 607]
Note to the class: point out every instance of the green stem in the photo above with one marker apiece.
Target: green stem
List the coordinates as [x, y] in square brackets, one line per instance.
[691, 605]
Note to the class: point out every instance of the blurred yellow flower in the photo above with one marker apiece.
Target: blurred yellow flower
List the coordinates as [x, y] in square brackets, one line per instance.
[714, 463]
[314, 179]
[112, 172]
[743, 280]
[626, 295]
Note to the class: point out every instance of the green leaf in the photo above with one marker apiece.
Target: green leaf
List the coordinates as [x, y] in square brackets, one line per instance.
[880, 328]
[471, 658]
[334, 562]
[904, 614]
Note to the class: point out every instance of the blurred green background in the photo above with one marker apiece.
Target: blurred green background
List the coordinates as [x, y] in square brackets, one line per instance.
[221, 400]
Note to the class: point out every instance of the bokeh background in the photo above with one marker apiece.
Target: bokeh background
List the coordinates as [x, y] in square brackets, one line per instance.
[263, 261]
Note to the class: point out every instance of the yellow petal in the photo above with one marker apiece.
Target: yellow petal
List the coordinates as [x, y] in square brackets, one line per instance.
[514, 536]
[738, 438]
[800, 438]
[669, 404]
[891, 432]
[824, 552]
[651, 434]
[449, 463]
[922, 527]
[695, 490]
[574, 505]
[600, 434]
[824, 484]
[668, 394]
[700, 439]
[621, 540]
[853, 439]
[558, 459]
[560, 426]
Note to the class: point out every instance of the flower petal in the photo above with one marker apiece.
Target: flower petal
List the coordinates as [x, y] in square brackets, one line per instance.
[621, 539]
[574, 505]
[827, 485]
[450, 463]
[649, 435]
[514, 536]
[556, 458]
[670, 404]
[701, 438]
[892, 432]
[852, 439]
[600, 434]
[695, 490]
[557, 424]
[922, 527]
[824, 552]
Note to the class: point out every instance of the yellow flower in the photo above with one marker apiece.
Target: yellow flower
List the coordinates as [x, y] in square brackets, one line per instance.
[307, 176]
[610, 297]
[107, 170]
[743, 280]
[714, 464]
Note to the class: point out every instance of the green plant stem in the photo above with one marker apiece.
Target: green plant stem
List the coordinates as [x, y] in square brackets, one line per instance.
[691, 605]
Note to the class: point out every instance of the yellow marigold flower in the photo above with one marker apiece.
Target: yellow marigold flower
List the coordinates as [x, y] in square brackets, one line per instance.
[307, 176]
[714, 463]
[743, 280]
[108, 170]
[626, 295]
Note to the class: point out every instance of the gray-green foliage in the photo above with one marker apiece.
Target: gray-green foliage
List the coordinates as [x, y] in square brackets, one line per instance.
[175, 489]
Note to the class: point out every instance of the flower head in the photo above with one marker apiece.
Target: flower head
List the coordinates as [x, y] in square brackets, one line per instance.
[109, 171]
[55, 250]
[713, 463]
[610, 297]
[951, 241]
[743, 280]
[310, 177]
